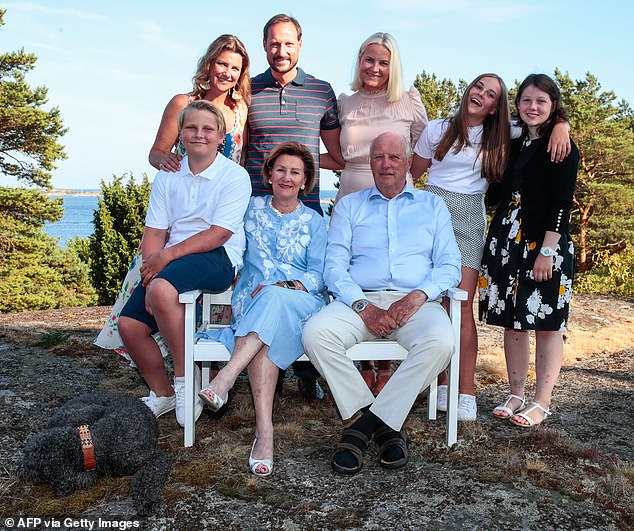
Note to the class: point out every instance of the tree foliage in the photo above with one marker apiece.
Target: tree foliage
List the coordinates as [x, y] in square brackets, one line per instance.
[440, 97]
[35, 274]
[604, 134]
[28, 134]
[119, 221]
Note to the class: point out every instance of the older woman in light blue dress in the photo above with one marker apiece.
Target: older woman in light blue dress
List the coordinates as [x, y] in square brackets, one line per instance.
[280, 287]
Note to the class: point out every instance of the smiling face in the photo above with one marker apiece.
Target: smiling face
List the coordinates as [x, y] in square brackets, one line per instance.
[287, 176]
[483, 99]
[535, 108]
[225, 71]
[282, 47]
[200, 134]
[374, 67]
[389, 163]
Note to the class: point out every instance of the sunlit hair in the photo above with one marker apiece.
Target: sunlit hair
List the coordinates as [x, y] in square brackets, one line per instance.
[230, 43]
[204, 105]
[294, 149]
[495, 133]
[547, 85]
[395, 81]
[281, 18]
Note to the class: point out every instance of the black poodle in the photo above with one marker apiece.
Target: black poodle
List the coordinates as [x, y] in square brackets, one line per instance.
[124, 433]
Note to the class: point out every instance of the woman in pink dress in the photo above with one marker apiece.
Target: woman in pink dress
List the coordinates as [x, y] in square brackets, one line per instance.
[379, 104]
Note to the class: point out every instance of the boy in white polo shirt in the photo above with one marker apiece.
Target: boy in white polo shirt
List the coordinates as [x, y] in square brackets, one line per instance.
[193, 239]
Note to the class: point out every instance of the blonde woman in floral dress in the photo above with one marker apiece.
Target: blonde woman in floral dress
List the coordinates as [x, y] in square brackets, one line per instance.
[528, 263]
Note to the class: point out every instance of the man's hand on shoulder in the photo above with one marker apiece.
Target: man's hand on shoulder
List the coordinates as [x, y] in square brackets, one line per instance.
[377, 320]
[402, 310]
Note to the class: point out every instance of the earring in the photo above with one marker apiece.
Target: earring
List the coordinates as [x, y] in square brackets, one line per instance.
[205, 85]
[235, 95]
[270, 182]
[302, 187]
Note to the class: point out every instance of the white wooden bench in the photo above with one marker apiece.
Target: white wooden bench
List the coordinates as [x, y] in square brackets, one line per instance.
[205, 352]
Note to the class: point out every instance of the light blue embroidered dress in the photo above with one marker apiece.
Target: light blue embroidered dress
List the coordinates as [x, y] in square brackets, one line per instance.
[279, 247]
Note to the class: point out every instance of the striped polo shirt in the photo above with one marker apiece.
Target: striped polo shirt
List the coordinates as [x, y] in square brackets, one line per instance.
[297, 112]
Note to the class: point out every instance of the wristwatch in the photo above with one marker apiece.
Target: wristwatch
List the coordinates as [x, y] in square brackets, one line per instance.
[289, 284]
[360, 305]
[547, 251]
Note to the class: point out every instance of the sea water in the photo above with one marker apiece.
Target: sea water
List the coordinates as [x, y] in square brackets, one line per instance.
[79, 210]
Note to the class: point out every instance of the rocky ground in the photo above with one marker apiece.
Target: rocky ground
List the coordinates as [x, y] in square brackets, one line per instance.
[574, 473]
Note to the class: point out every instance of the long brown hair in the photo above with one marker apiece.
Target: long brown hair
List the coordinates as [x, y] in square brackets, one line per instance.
[229, 43]
[495, 133]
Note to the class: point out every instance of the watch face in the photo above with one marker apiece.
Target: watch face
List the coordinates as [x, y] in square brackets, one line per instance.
[547, 251]
[360, 306]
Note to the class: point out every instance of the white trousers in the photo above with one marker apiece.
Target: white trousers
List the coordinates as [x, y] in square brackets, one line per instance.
[427, 337]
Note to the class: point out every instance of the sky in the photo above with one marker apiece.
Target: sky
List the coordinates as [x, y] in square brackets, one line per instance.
[111, 66]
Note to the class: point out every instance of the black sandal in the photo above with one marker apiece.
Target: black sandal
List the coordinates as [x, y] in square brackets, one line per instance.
[356, 451]
[387, 438]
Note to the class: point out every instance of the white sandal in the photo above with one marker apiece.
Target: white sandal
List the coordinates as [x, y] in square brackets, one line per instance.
[506, 409]
[524, 414]
[254, 464]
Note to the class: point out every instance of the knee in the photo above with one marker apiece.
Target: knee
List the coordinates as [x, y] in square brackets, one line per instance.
[162, 292]
[312, 335]
[131, 329]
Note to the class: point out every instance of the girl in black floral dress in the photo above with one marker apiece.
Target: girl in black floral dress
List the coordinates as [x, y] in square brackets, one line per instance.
[527, 268]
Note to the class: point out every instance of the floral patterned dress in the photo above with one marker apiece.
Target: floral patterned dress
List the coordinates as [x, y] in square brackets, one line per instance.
[509, 295]
[279, 247]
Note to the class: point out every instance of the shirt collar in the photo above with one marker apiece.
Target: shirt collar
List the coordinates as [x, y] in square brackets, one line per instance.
[208, 173]
[407, 191]
[300, 78]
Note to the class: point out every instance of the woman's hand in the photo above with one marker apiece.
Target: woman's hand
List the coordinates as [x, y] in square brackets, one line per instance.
[282, 284]
[543, 268]
[171, 162]
[559, 142]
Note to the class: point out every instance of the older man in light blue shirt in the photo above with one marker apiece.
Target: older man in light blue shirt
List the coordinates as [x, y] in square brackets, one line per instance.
[391, 253]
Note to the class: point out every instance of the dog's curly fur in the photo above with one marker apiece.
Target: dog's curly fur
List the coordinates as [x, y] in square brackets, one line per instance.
[124, 433]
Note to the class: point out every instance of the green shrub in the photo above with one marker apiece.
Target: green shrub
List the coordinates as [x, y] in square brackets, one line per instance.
[119, 221]
[611, 274]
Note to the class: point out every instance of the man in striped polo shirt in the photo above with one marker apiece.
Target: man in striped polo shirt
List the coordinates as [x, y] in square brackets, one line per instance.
[288, 104]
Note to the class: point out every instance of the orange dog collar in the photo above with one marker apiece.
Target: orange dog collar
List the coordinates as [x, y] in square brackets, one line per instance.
[87, 447]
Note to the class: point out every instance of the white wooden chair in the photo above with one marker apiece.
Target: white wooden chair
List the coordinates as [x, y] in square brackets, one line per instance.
[205, 352]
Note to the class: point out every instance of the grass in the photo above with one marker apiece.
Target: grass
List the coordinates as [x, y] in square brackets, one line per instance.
[53, 339]
[489, 450]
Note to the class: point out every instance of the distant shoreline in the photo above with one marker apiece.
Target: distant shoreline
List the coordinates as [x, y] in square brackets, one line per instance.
[64, 192]
[61, 192]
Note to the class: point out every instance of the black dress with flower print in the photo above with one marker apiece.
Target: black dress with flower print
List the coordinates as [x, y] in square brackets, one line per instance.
[536, 197]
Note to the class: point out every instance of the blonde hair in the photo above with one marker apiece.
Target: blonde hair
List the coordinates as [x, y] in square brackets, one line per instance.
[229, 43]
[204, 105]
[395, 88]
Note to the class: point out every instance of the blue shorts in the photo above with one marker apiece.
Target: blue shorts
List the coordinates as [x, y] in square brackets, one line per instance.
[209, 271]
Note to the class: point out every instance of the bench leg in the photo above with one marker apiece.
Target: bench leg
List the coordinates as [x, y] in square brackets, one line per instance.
[190, 325]
[452, 374]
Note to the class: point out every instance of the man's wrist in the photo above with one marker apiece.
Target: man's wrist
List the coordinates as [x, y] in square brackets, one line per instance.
[360, 305]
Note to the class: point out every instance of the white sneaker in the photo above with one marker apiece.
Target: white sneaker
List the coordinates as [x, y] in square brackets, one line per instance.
[441, 398]
[159, 404]
[179, 388]
[467, 407]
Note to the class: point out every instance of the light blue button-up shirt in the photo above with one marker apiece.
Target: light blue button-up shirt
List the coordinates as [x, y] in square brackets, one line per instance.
[404, 243]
